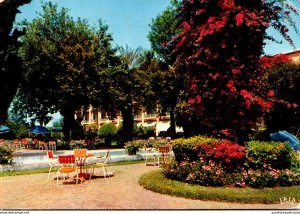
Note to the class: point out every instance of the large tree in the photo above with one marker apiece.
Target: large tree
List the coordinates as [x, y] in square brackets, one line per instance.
[162, 30]
[282, 79]
[220, 48]
[10, 65]
[62, 61]
[123, 89]
[166, 83]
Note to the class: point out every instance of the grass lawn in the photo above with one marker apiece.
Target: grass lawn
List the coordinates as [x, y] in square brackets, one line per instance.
[46, 170]
[157, 182]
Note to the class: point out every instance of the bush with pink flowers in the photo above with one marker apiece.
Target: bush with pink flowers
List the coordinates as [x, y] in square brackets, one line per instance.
[225, 163]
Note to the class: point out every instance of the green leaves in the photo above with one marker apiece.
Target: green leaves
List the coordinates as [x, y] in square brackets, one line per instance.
[63, 60]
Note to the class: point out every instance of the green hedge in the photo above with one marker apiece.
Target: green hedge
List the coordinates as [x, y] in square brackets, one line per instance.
[213, 162]
[5, 155]
[187, 149]
[261, 154]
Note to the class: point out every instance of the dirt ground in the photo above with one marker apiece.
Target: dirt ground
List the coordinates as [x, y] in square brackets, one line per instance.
[121, 191]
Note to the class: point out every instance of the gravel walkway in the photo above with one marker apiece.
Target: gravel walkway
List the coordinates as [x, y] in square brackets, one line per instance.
[119, 192]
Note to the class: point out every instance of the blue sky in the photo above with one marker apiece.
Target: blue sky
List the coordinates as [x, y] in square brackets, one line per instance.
[129, 20]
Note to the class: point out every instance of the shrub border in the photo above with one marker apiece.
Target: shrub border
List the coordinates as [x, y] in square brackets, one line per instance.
[157, 182]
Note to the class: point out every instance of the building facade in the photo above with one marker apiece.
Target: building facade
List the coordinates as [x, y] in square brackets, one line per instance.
[95, 117]
[294, 55]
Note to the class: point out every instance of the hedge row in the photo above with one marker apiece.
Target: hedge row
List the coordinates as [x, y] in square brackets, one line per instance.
[214, 162]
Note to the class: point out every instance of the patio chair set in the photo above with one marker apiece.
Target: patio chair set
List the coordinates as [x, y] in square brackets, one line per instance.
[159, 155]
[75, 167]
[28, 143]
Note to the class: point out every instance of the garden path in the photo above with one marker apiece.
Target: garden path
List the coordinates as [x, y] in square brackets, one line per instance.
[119, 192]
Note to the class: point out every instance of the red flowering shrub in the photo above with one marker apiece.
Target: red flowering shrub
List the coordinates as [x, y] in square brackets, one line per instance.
[229, 155]
[267, 62]
[282, 84]
[186, 149]
[219, 49]
[220, 163]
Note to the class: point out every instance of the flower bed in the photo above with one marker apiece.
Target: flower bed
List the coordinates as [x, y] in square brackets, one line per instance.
[212, 162]
[77, 144]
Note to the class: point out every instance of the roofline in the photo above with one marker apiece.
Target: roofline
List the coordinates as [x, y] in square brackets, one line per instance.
[289, 52]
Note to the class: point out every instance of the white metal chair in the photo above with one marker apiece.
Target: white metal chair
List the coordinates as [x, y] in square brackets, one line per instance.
[103, 165]
[53, 161]
[151, 153]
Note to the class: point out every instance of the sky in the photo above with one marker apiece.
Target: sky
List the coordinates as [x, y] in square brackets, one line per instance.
[128, 20]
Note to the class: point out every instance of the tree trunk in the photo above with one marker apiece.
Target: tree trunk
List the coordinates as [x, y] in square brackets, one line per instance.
[10, 72]
[3, 112]
[9, 68]
[172, 123]
[72, 128]
[128, 124]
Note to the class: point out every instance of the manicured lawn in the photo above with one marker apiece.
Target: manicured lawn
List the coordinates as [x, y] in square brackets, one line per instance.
[157, 182]
[46, 170]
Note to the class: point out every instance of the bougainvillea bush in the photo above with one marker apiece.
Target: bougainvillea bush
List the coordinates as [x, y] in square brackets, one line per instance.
[219, 50]
[225, 163]
[282, 78]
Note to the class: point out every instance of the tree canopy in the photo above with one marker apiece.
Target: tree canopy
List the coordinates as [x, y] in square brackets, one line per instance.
[62, 63]
[163, 28]
[166, 84]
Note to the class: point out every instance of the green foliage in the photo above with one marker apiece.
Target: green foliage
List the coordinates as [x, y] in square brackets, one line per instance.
[155, 143]
[10, 63]
[57, 135]
[166, 84]
[163, 28]
[5, 155]
[125, 89]
[109, 132]
[62, 145]
[19, 129]
[271, 178]
[63, 59]
[212, 162]
[157, 182]
[132, 147]
[108, 129]
[262, 155]
[145, 132]
[77, 144]
[186, 148]
[284, 80]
